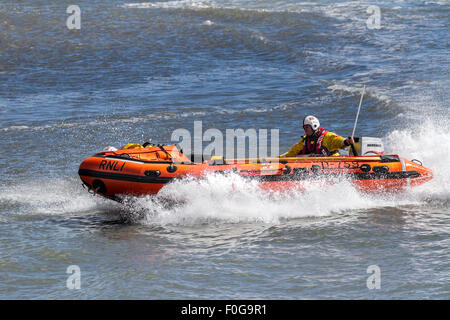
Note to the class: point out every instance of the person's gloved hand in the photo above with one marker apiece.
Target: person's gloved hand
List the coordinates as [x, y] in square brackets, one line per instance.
[349, 141]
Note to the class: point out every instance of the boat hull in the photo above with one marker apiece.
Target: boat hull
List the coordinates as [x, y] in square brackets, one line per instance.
[144, 172]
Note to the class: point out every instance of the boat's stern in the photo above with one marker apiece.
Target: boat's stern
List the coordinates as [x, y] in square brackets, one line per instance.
[418, 173]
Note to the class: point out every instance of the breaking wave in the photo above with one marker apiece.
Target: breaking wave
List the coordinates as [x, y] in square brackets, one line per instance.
[233, 199]
[52, 197]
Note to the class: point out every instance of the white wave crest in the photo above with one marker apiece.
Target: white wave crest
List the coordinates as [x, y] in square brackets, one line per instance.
[374, 92]
[234, 199]
[428, 142]
[52, 197]
[199, 4]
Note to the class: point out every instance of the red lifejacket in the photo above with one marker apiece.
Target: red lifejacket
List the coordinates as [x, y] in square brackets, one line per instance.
[313, 144]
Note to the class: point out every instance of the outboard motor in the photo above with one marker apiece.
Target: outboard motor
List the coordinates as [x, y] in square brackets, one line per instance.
[368, 146]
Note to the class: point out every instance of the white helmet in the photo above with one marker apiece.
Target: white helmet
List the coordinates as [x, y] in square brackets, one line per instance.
[110, 148]
[312, 121]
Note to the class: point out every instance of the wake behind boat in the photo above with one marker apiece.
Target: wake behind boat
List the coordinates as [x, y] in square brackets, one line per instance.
[146, 170]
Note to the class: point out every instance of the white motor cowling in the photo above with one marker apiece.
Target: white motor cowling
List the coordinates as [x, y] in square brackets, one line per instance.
[367, 146]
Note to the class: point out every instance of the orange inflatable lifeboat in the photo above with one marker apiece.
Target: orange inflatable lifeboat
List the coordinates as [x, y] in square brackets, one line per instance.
[138, 170]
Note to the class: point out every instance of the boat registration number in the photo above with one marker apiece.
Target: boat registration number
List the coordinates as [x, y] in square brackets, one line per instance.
[340, 165]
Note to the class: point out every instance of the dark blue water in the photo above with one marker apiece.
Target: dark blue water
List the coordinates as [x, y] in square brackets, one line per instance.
[136, 72]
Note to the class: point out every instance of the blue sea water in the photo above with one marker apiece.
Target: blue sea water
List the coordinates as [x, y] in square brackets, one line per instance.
[137, 71]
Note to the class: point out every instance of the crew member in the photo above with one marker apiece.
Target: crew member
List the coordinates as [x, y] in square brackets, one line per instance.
[318, 141]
